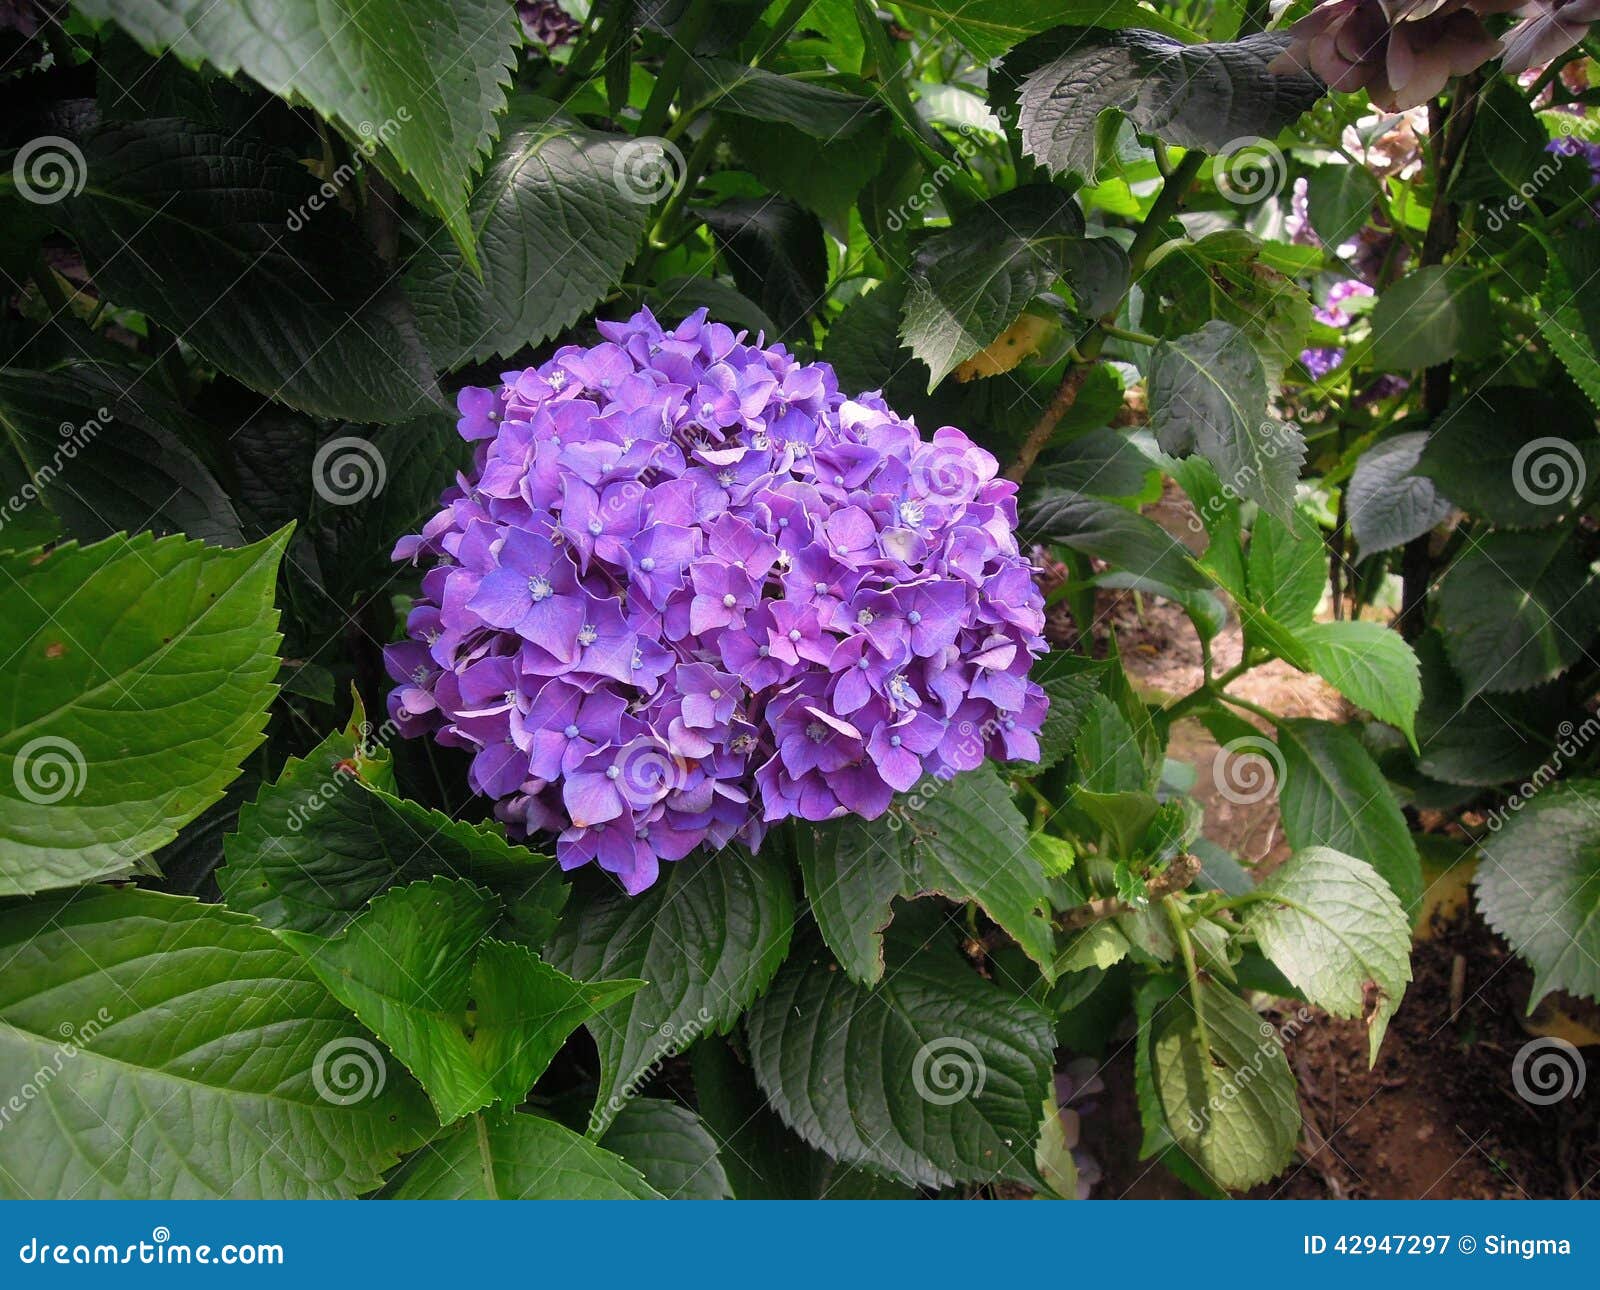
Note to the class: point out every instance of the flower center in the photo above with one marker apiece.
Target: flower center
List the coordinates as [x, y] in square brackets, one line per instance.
[816, 732]
[539, 587]
[571, 731]
[587, 634]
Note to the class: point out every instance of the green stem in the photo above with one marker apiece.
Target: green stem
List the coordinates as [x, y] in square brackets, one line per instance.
[1122, 333]
[1165, 207]
[1180, 931]
[1256, 708]
[1207, 693]
[671, 73]
[788, 20]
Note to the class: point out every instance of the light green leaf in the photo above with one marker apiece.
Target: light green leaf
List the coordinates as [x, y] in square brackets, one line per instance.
[934, 1077]
[139, 675]
[1332, 926]
[1539, 887]
[706, 938]
[419, 87]
[990, 27]
[558, 215]
[1370, 665]
[192, 1055]
[410, 963]
[1288, 568]
[1224, 1086]
[525, 1158]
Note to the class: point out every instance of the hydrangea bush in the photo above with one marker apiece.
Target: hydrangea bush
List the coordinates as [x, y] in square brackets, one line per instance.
[713, 710]
[689, 589]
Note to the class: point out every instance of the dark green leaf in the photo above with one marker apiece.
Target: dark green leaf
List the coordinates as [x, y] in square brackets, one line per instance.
[1117, 535]
[1428, 317]
[669, 1145]
[525, 1158]
[775, 251]
[1387, 503]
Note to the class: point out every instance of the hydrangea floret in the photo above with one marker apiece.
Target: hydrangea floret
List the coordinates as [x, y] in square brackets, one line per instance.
[688, 589]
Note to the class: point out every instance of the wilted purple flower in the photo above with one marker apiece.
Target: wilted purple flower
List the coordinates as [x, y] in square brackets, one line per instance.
[546, 23]
[1549, 28]
[689, 589]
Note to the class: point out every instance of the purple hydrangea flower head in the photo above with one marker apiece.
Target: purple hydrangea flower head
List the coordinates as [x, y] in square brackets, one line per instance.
[690, 589]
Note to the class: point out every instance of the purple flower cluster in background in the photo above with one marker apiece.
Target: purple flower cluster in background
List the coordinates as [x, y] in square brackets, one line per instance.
[689, 589]
[1319, 362]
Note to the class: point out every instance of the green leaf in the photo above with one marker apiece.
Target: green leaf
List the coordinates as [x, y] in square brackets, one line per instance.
[1070, 681]
[196, 227]
[1480, 741]
[1288, 568]
[1196, 96]
[1332, 794]
[970, 282]
[420, 88]
[1117, 535]
[1388, 504]
[1332, 926]
[1224, 277]
[670, 1146]
[105, 456]
[818, 110]
[1340, 199]
[525, 1158]
[824, 176]
[192, 1056]
[1495, 456]
[1516, 609]
[1224, 1086]
[408, 966]
[960, 838]
[934, 1077]
[1428, 317]
[328, 836]
[706, 938]
[1370, 665]
[1208, 394]
[139, 674]
[1569, 321]
[1539, 887]
[990, 27]
[776, 253]
[558, 215]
